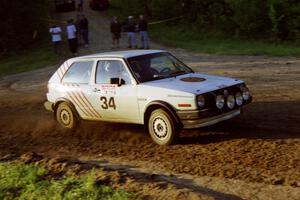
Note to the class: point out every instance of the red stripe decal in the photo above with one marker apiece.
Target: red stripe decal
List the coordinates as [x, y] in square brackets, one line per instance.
[83, 104]
[59, 75]
[88, 109]
[76, 103]
[91, 106]
[66, 67]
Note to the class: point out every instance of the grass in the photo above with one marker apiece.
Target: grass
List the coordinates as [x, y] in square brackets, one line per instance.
[25, 61]
[185, 37]
[19, 181]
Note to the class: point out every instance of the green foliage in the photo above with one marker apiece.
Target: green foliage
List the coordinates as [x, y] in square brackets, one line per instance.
[164, 9]
[285, 18]
[181, 36]
[26, 61]
[21, 20]
[276, 19]
[18, 181]
[249, 17]
[131, 7]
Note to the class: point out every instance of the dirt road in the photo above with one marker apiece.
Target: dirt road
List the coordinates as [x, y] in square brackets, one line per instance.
[254, 156]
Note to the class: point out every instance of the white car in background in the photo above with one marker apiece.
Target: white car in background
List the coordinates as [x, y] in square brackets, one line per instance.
[149, 87]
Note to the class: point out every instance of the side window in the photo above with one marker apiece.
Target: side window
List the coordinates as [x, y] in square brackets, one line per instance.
[111, 69]
[79, 72]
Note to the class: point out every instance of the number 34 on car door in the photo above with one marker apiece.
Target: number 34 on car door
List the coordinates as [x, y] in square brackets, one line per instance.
[115, 91]
[106, 104]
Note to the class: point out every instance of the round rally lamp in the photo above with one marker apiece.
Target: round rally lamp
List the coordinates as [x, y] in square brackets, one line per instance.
[230, 101]
[238, 99]
[200, 100]
[220, 101]
[245, 93]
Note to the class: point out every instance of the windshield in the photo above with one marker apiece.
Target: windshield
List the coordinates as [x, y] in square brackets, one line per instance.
[157, 66]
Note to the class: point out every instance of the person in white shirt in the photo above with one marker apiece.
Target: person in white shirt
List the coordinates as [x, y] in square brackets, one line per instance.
[55, 32]
[71, 34]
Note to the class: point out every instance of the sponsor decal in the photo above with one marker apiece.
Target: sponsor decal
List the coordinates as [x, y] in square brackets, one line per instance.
[108, 89]
[193, 79]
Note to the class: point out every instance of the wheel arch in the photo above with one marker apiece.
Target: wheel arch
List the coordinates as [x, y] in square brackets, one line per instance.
[160, 104]
[61, 100]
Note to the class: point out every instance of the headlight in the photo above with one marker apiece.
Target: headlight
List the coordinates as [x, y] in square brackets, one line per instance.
[245, 93]
[220, 101]
[230, 101]
[238, 99]
[200, 101]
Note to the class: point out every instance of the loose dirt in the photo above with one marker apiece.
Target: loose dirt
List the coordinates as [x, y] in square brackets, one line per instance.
[254, 156]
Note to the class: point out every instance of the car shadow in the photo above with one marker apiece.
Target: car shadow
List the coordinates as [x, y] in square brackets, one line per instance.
[260, 120]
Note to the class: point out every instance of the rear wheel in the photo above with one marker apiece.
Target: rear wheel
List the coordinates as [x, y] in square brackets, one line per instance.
[66, 116]
[162, 127]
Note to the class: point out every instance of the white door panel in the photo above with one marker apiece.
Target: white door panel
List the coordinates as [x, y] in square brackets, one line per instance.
[114, 102]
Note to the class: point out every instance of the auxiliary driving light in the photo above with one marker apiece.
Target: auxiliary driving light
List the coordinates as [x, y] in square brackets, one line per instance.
[238, 99]
[220, 101]
[230, 101]
[200, 101]
[246, 93]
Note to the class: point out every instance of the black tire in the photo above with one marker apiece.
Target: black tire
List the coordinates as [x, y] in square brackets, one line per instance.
[66, 116]
[162, 127]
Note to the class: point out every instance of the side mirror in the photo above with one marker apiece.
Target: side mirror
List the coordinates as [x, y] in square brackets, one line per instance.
[117, 81]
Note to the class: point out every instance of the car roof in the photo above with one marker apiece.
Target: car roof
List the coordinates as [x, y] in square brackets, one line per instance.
[121, 54]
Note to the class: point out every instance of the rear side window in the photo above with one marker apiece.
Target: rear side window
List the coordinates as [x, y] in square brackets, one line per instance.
[79, 72]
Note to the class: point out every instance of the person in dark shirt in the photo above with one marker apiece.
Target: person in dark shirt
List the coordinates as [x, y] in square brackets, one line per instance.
[78, 29]
[79, 5]
[143, 28]
[84, 30]
[115, 29]
[131, 28]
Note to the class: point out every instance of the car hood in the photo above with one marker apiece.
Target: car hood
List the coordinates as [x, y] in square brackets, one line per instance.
[195, 83]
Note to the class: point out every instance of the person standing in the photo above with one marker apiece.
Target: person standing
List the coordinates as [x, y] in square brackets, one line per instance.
[84, 30]
[79, 5]
[131, 33]
[55, 32]
[78, 30]
[71, 34]
[143, 28]
[115, 29]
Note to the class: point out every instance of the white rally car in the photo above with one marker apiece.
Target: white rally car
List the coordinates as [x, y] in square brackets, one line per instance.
[148, 87]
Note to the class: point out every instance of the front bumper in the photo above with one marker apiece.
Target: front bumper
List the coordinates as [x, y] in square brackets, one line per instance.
[49, 106]
[202, 118]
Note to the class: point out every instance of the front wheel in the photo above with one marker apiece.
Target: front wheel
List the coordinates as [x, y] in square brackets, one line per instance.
[66, 116]
[162, 127]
